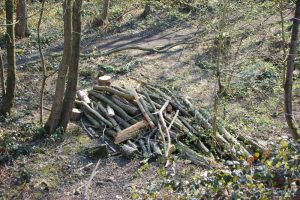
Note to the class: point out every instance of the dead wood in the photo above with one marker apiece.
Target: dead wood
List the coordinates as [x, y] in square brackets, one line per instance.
[87, 109]
[130, 132]
[142, 109]
[104, 80]
[83, 96]
[110, 90]
[121, 121]
[117, 108]
[192, 155]
[130, 109]
[76, 114]
[156, 149]
[128, 151]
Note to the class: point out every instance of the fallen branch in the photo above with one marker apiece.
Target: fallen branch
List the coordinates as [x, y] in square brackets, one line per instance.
[142, 109]
[110, 90]
[164, 126]
[130, 132]
[90, 181]
[162, 49]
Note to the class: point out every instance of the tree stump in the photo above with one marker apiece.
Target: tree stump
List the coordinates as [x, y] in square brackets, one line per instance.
[104, 80]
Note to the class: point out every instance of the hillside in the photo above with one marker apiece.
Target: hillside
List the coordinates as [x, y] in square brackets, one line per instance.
[248, 62]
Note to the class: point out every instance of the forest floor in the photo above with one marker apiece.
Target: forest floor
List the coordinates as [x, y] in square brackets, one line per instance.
[57, 168]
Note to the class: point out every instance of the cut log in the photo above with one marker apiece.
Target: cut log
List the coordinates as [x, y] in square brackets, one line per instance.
[76, 114]
[103, 111]
[192, 155]
[128, 151]
[132, 144]
[236, 143]
[110, 90]
[83, 96]
[130, 109]
[110, 111]
[116, 107]
[87, 109]
[198, 116]
[142, 109]
[121, 121]
[104, 80]
[144, 149]
[130, 132]
[93, 121]
[155, 148]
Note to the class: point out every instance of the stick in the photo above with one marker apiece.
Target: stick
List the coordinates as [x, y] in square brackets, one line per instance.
[127, 107]
[103, 111]
[85, 107]
[90, 181]
[86, 130]
[142, 109]
[164, 126]
[173, 120]
[117, 108]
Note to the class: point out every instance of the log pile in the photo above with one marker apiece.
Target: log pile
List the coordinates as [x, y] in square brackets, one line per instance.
[153, 122]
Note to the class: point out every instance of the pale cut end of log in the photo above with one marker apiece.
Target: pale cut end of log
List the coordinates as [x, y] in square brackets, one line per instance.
[130, 132]
[104, 80]
[110, 111]
[76, 114]
[83, 96]
[128, 151]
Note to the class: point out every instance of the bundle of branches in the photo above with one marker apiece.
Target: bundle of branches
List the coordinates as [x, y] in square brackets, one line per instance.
[153, 121]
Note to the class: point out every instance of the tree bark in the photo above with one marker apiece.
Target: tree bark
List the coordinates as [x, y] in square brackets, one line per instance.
[104, 14]
[55, 116]
[2, 76]
[289, 76]
[9, 97]
[21, 25]
[146, 11]
[73, 67]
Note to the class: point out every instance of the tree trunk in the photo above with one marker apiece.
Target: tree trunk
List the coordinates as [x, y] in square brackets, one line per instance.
[146, 11]
[21, 11]
[2, 76]
[289, 75]
[105, 11]
[9, 97]
[55, 116]
[73, 67]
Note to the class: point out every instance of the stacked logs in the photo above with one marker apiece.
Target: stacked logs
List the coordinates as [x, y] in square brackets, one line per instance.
[154, 122]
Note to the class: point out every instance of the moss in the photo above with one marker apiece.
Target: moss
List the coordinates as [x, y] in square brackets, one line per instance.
[50, 174]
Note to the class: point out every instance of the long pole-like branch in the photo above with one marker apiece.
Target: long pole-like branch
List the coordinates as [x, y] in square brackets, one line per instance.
[42, 64]
[288, 87]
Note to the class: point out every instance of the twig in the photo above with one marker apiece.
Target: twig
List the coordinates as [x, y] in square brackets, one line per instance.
[90, 180]
[173, 120]
[88, 132]
[164, 125]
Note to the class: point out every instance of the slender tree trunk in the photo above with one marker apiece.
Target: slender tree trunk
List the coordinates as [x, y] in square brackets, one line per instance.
[2, 76]
[55, 116]
[283, 42]
[41, 104]
[73, 68]
[21, 11]
[146, 11]
[104, 14]
[9, 97]
[289, 75]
